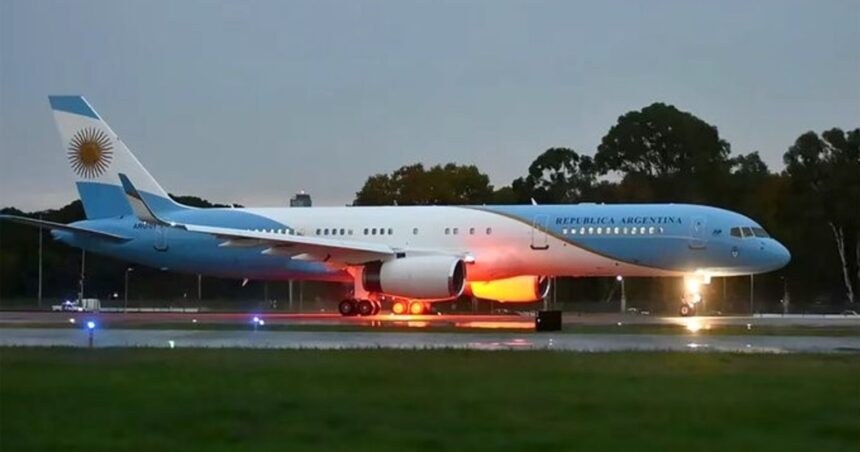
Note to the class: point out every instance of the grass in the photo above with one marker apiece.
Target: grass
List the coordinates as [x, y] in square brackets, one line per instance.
[213, 400]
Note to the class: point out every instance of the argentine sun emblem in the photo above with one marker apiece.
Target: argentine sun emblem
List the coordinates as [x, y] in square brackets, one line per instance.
[90, 152]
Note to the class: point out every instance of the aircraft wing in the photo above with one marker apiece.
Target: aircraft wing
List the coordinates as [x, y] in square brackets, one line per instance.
[64, 227]
[337, 252]
[297, 246]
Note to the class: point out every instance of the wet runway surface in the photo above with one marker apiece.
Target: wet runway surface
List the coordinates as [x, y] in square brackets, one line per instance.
[78, 337]
[469, 321]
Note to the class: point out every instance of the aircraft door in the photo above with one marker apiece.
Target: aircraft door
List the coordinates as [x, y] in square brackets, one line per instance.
[698, 239]
[160, 238]
[540, 240]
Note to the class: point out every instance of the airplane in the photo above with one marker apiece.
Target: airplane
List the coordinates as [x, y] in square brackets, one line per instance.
[413, 255]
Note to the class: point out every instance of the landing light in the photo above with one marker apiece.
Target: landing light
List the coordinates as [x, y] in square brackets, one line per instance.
[91, 325]
[72, 321]
[694, 326]
[693, 286]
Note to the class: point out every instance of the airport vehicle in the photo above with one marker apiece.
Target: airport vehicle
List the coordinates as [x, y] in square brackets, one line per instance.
[87, 304]
[416, 255]
[67, 306]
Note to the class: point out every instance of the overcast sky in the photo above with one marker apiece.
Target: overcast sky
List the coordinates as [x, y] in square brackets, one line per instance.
[251, 101]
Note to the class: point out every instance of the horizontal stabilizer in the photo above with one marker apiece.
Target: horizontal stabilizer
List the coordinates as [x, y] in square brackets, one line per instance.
[64, 227]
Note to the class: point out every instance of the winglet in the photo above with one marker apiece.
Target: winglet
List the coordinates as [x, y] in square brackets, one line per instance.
[138, 205]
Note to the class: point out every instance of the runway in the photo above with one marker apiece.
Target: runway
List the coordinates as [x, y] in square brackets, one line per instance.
[459, 321]
[78, 337]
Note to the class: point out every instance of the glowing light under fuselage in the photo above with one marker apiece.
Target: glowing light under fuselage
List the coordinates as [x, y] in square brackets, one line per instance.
[519, 289]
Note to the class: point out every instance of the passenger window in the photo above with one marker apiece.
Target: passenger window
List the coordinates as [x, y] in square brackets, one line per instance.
[365, 231]
[581, 231]
[471, 231]
[573, 231]
[373, 231]
[489, 231]
[318, 231]
[591, 230]
[414, 231]
[390, 231]
[564, 231]
[447, 231]
[600, 230]
[342, 231]
[651, 230]
[456, 231]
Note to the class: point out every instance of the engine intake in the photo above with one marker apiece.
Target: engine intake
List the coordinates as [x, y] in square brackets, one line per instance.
[423, 277]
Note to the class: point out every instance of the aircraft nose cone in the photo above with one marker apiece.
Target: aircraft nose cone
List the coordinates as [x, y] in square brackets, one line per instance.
[781, 255]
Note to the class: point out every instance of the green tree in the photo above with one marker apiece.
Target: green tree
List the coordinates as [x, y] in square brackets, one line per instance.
[195, 201]
[677, 155]
[825, 174]
[558, 176]
[450, 184]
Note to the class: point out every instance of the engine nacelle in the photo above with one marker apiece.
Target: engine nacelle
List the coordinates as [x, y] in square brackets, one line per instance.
[522, 289]
[422, 277]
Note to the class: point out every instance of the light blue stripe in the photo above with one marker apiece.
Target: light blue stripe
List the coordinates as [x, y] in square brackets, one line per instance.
[72, 104]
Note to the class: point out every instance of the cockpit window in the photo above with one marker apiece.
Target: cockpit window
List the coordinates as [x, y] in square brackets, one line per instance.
[759, 232]
[747, 232]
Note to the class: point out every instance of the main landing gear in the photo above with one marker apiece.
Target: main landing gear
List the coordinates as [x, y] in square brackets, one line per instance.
[401, 307]
[351, 307]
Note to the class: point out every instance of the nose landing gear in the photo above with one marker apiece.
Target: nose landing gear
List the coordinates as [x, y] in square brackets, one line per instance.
[687, 310]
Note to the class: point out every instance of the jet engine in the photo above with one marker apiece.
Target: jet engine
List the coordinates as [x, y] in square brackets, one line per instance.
[522, 289]
[418, 277]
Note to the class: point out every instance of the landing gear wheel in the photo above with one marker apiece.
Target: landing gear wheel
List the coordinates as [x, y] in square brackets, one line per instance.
[417, 308]
[687, 310]
[347, 308]
[366, 307]
[399, 307]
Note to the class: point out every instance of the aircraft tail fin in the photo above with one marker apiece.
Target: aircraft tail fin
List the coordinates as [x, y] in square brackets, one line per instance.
[97, 156]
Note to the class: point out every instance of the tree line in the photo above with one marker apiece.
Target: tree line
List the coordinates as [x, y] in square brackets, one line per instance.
[656, 154]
